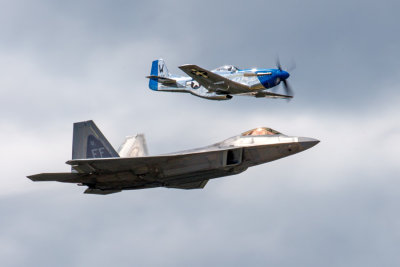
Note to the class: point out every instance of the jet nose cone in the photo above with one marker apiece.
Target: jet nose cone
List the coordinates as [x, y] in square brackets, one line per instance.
[306, 142]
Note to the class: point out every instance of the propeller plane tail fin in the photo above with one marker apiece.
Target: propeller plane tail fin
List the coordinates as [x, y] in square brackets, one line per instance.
[159, 74]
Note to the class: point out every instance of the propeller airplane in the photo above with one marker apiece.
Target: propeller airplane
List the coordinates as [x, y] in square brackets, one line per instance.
[221, 83]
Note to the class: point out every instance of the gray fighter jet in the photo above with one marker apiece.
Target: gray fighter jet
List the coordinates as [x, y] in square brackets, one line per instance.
[97, 165]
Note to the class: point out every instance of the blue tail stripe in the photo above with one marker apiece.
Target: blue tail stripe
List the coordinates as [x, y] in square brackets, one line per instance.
[153, 84]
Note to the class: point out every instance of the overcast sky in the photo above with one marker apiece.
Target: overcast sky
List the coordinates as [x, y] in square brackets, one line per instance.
[336, 204]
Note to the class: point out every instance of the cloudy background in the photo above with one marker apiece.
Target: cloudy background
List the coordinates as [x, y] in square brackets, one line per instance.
[336, 204]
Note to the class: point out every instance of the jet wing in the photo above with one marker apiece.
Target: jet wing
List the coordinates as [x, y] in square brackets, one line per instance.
[187, 170]
[167, 166]
[213, 82]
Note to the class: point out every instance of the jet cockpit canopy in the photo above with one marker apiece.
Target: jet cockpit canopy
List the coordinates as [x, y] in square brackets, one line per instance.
[260, 131]
[226, 68]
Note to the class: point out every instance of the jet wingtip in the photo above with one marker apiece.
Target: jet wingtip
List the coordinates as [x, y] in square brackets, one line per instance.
[32, 177]
[36, 177]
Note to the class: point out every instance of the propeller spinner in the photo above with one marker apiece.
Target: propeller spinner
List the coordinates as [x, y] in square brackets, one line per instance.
[283, 75]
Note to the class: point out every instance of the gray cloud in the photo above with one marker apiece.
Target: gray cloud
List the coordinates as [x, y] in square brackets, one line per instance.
[343, 50]
[281, 224]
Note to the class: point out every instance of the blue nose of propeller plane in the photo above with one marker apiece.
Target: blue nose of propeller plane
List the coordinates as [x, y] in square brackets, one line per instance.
[284, 74]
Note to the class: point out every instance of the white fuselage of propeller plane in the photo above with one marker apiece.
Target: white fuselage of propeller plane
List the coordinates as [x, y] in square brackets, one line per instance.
[221, 83]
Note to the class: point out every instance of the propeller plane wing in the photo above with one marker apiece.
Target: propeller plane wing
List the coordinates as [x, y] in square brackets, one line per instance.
[212, 81]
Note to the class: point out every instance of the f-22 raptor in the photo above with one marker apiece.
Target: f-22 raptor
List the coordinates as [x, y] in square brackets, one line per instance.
[221, 83]
[97, 165]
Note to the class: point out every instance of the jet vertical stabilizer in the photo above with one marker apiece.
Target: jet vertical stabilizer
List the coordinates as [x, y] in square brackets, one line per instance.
[88, 142]
[134, 146]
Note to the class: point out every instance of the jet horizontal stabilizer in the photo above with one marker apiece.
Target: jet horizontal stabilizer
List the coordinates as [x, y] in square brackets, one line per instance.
[66, 177]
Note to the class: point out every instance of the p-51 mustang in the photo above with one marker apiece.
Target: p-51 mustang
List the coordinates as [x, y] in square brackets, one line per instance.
[221, 83]
[97, 165]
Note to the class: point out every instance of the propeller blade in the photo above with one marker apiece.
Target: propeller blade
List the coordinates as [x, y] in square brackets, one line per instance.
[278, 64]
[288, 89]
[292, 67]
